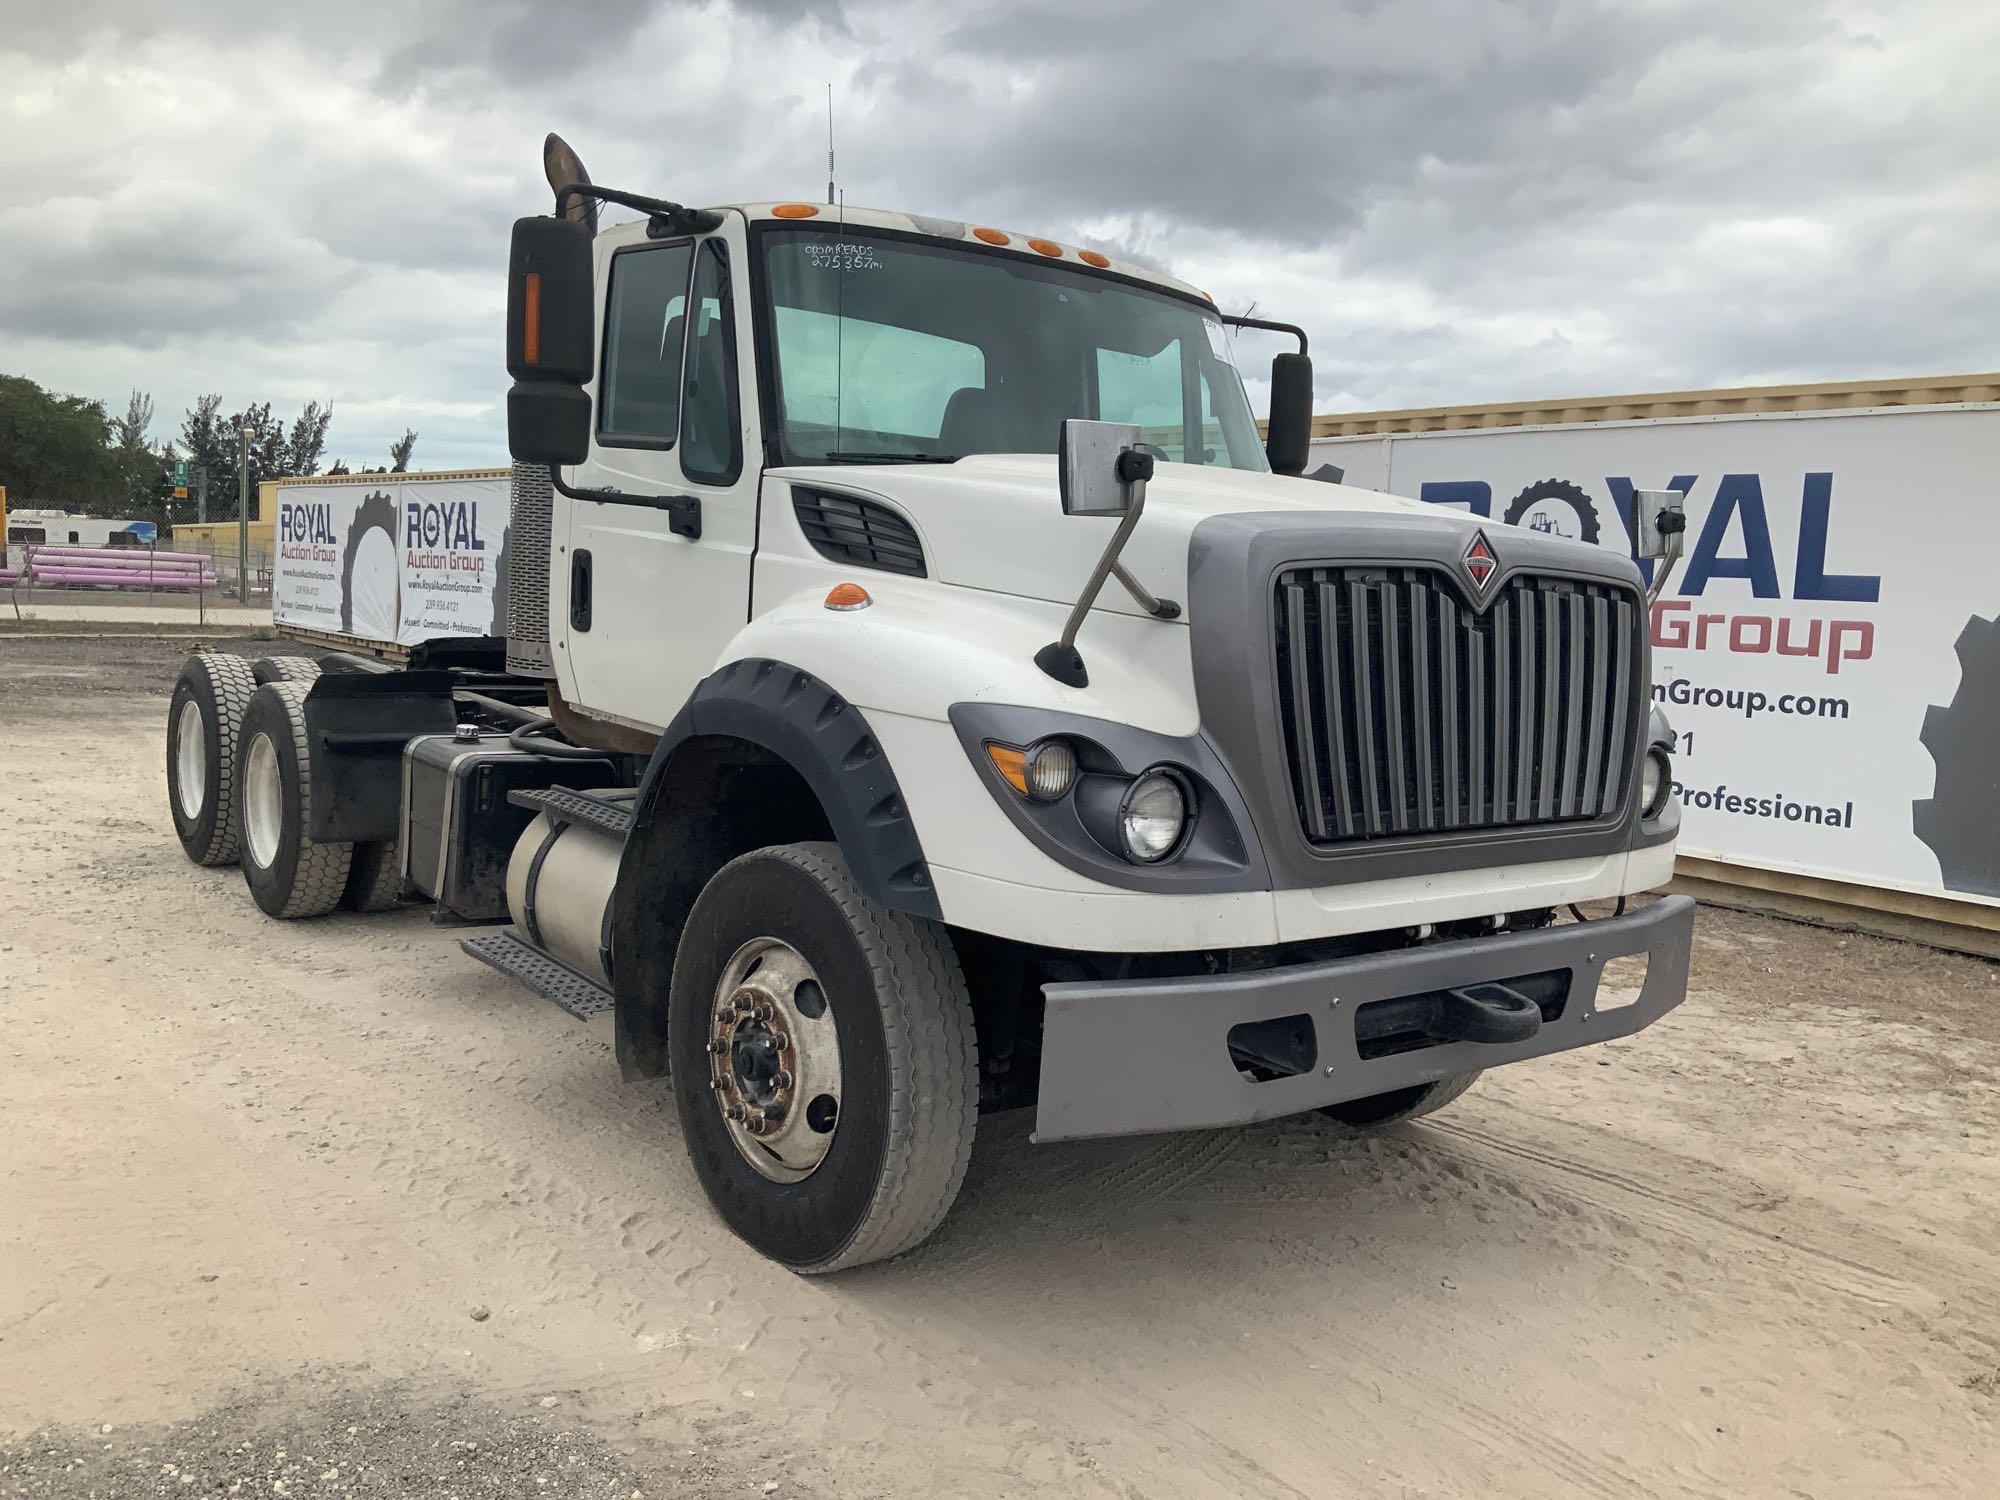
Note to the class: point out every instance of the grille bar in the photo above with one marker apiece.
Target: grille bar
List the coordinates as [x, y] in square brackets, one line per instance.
[1407, 712]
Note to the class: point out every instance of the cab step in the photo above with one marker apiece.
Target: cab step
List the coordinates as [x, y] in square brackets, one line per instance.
[515, 957]
[612, 815]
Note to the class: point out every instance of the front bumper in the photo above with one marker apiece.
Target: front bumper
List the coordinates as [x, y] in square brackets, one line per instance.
[1128, 1057]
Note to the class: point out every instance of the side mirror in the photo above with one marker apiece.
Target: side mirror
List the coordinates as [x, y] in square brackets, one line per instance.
[551, 337]
[1091, 463]
[1656, 523]
[1288, 436]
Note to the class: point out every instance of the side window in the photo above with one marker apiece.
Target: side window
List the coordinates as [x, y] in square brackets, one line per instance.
[639, 402]
[1136, 388]
[711, 434]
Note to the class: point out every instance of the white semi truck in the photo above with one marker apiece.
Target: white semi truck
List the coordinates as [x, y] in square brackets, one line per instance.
[924, 694]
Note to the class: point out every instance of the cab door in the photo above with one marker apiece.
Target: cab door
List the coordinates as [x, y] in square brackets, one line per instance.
[656, 578]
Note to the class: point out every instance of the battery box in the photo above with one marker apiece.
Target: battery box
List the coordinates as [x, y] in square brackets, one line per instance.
[459, 828]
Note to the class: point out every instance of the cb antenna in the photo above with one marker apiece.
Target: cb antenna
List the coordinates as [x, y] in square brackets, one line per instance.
[829, 145]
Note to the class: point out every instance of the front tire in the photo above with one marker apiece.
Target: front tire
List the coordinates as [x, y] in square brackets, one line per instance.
[204, 721]
[1357, 1117]
[288, 873]
[779, 942]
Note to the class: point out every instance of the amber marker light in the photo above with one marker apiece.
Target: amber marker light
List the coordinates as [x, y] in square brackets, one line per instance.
[795, 211]
[1092, 258]
[846, 596]
[1045, 247]
[1012, 765]
[531, 318]
[991, 236]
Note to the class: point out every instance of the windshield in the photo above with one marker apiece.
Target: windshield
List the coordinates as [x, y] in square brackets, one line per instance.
[892, 350]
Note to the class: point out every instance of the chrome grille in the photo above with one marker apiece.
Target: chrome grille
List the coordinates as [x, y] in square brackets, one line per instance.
[1406, 712]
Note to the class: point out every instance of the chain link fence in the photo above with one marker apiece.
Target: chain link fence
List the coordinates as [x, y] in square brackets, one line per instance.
[200, 580]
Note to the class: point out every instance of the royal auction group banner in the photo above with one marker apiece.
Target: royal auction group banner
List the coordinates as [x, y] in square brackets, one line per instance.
[393, 558]
[1829, 648]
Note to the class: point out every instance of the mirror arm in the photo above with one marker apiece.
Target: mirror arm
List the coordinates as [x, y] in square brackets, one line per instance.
[1665, 569]
[1060, 658]
[683, 511]
[1265, 323]
[1159, 609]
[663, 218]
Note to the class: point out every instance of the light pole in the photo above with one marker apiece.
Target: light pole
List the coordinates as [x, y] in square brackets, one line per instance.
[243, 516]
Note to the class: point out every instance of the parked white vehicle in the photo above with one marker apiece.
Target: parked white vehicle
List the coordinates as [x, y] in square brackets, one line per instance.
[953, 705]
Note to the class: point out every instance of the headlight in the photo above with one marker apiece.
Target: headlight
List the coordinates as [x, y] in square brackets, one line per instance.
[1656, 782]
[1153, 817]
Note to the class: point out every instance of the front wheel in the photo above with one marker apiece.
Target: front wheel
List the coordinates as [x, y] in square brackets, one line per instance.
[823, 1061]
[1379, 1111]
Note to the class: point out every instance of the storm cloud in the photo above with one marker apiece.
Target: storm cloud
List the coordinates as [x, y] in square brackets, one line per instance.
[1462, 201]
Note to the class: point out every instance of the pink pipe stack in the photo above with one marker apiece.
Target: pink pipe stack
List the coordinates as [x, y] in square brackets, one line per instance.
[126, 567]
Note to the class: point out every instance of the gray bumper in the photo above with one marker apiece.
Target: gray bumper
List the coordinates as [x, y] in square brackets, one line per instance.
[1125, 1057]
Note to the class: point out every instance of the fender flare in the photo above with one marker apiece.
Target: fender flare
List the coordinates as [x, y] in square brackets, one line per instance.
[672, 849]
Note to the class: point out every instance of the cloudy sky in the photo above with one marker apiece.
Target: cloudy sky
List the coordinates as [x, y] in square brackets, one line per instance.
[1463, 200]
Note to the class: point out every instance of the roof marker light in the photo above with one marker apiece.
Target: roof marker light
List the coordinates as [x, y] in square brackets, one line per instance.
[991, 236]
[1092, 258]
[1045, 247]
[846, 596]
[795, 211]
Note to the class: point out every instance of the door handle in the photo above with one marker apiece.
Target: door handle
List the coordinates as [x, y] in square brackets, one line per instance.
[579, 589]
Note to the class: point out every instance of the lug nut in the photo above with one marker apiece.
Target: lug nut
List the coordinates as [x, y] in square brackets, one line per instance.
[719, 1045]
[763, 1011]
[782, 1080]
[779, 1041]
[733, 1112]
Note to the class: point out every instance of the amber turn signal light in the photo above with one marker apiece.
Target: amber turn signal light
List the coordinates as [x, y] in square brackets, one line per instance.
[531, 318]
[847, 596]
[1012, 765]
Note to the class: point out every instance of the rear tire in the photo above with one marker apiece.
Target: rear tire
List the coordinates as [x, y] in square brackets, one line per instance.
[286, 669]
[204, 721]
[375, 879]
[904, 1076]
[289, 874]
[1358, 1117]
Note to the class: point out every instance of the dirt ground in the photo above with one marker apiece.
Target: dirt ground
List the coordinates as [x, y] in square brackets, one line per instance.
[285, 1202]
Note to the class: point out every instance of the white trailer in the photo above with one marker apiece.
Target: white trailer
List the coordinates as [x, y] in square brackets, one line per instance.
[887, 734]
[1831, 650]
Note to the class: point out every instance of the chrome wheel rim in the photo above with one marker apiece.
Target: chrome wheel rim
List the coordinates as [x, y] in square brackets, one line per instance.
[263, 802]
[774, 1060]
[190, 761]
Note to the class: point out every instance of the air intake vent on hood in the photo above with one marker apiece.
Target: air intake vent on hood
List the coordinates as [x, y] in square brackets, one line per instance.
[866, 533]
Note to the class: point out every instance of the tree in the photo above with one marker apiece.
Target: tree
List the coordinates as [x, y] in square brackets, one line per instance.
[130, 431]
[142, 479]
[399, 451]
[308, 440]
[53, 449]
[214, 440]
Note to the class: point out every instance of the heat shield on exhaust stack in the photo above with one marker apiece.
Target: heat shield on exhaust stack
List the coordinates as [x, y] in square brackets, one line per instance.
[528, 563]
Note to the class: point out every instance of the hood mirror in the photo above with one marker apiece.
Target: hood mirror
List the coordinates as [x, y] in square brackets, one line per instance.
[1657, 521]
[1103, 469]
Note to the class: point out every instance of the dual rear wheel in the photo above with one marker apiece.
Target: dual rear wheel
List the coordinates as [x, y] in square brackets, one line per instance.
[239, 784]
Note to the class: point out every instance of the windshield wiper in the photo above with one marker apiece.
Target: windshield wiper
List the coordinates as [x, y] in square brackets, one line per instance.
[885, 457]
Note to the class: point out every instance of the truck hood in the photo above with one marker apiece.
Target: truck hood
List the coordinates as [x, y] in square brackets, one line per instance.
[995, 521]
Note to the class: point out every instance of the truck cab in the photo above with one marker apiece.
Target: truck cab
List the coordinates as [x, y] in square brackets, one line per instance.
[980, 713]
